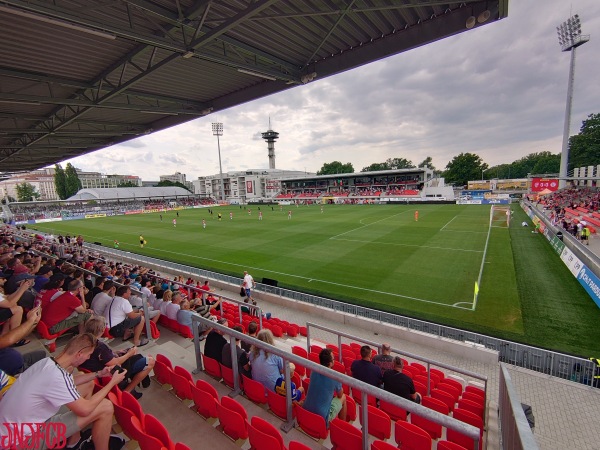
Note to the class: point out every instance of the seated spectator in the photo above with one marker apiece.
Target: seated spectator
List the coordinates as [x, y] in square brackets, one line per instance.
[42, 277]
[399, 383]
[174, 306]
[11, 313]
[213, 347]
[39, 393]
[243, 363]
[384, 361]
[184, 317]
[11, 361]
[6, 382]
[14, 283]
[266, 367]
[166, 299]
[280, 387]
[68, 310]
[138, 302]
[364, 370]
[95, 290]
[101, 300]
[320, 396]
[138, 366]
[252, 331]
[122, 320]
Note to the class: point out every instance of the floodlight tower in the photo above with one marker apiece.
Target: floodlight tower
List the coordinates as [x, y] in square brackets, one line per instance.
[271, 136]
[217, 129]
[569, 38]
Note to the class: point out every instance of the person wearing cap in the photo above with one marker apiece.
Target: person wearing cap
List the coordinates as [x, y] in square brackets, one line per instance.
[42, 277]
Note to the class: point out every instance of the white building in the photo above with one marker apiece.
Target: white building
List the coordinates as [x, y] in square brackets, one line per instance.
[178, 177]
[42, 181]
[97, 180]
[245, 186]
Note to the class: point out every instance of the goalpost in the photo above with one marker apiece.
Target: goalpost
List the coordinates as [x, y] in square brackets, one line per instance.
[500, 215]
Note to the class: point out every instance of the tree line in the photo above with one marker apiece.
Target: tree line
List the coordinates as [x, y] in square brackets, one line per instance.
[584, 149]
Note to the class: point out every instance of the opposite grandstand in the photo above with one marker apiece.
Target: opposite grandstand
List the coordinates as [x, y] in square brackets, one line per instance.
[378, 256]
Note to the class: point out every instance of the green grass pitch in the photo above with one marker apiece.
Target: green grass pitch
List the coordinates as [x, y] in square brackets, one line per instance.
[378, 256]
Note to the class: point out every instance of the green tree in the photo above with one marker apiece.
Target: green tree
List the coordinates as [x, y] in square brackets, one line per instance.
[375, 167]
[60, 181]
[584, 148]
[390, 164]
[464, 167]
[172, 183]
[26, 192]
[127, 184]
[335, 167]
[427, 162]
[72, 180]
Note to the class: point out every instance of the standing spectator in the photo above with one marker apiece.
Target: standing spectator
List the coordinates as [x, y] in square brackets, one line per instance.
[384, 360]
[399, 383]
[266, 367]
[364, 370]
[248, 284]
[213, 347]
[122, 320]
[67, 310]
[320, 396]
[39, 393]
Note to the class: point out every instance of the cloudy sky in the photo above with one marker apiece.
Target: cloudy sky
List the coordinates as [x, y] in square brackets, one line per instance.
[498, 91]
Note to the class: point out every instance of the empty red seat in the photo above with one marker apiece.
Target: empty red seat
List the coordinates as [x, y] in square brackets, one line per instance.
[420, 367]
[227, 374]
[312, 424]
[205, 399]
[44, 332]
[471, 419]
[316, 349]
[433, 429]
[447, 445]
[163, 359]
[423, 380]
[232, 418]
[212, 367]
[381, 445]
[130, 402]
[277, 331]
[155, 428]
[357, 396]
[445, 397]
[181, 386]
[380, 424]
[298, 446]
[395, 412]
[411, 437]
[350, 409]
[146, 441]
[255, 391]
[277, 404]
[292, 330]
[162, 373]
[441, 375]
[297, 350]
[123, 417]
[420, 388]
[181, 446]
[303, 332]
[185, 331]
[475, 390]
[474, 397]
[475, 408]
[457, 385]
[450, 389]
[344, 436]
[264, 436]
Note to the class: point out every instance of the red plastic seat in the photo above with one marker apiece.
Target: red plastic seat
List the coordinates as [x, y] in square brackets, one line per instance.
[312, 424]
[163, 359]
[447, 445]
[444, 396]
[380, 445]
[130, 402]
[181, 446]
[292, 330]
[298, 446]
[410, 372]
[42, 328]
[185, 331]
[227, 374]
[162, 373]
[344, 436]
[277, 331]
[395, 412]
[380, 424]
[333, 348]
[277, 404]
[181, 386]
[205, 403]
[316, 349]
[233, 405]
[420, 388]
[207, 387]
[475, 390]
[146, 441]
[339, 367]
[476, 408]
[264, 436]
[450, 390]
[357, 396]
[232, 422]
[155, 428]
[255, 391]
[433, 429]
[474, 397]
[471, 419]
[212, 367]
[411, 437]
[184, 373]
[455, 384]
[420, 367]
[303, 332]
[124, 416]
[423, 380]
[441, 375]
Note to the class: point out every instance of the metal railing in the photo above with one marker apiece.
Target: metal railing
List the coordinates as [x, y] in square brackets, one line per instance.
[515, 431]
[568, 367]
[366, 389]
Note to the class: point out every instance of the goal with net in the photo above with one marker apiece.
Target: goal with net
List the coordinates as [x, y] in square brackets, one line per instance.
[500, 216]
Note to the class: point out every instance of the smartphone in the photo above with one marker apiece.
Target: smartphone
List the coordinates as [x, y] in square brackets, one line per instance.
[115, 368]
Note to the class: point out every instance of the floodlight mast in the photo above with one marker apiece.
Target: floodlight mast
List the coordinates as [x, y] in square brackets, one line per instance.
[569, 38]
[217, 128]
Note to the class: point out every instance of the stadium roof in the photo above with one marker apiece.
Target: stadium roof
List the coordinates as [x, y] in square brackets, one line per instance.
[133, 193]
[81, 75]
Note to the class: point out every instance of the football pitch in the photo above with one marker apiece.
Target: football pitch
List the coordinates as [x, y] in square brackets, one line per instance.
[380, 257]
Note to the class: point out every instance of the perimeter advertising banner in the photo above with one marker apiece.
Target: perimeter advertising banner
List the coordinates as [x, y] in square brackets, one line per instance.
[540, 184]
[590, 283]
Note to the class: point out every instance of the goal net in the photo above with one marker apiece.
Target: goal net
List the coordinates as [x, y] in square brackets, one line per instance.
[500, 216]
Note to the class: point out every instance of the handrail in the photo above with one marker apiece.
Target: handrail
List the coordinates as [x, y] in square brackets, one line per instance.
[514, 427]
[366, 389]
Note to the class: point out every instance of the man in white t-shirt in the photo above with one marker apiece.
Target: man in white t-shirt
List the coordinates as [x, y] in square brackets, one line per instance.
[174, 306]
[122, 320]
[40, 393]
[101, 300]
[248, 284]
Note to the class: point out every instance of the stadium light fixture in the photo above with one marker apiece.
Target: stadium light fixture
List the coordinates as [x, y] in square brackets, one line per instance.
[569, 38]
[256, 74]
[217, 129]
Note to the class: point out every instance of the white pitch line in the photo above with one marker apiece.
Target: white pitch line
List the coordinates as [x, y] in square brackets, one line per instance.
[449, 222]
[369, 224]
[410, 245]
[462, 231]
